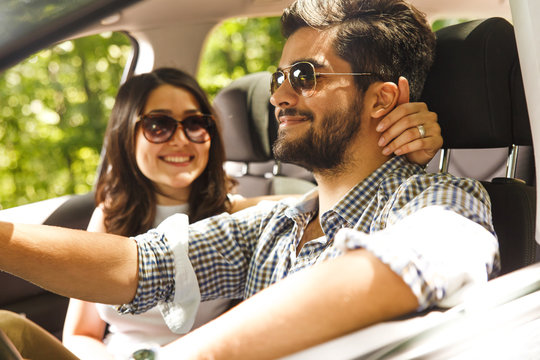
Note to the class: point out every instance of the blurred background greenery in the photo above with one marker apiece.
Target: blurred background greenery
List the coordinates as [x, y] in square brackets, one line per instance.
[54, 106]
[239, 47]
[53, 113]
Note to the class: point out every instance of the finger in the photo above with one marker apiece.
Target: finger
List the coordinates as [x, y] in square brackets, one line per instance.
[405, 137]
[400, 112]
[403, 86]
[428, 146]
[413, 146]
[427, 119]
[432, 133]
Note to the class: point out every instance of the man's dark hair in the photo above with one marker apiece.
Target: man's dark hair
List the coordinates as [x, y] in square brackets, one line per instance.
[390, 38]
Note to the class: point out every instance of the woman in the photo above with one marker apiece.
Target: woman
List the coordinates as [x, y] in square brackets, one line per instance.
[155, 167]
[150, 172]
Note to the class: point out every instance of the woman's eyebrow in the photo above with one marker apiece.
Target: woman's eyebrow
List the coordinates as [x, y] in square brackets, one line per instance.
[160, 111]
[169, 112]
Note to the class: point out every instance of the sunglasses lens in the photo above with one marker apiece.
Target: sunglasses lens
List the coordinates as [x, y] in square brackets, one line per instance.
[158, 128]
[277, 79]
[302, 77]
[197, 128]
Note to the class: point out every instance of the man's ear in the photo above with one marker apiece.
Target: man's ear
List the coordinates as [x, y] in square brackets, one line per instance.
[386, 98]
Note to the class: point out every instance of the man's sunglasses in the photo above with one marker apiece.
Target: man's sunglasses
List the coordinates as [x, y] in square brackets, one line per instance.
[302, 77]
[160, 128]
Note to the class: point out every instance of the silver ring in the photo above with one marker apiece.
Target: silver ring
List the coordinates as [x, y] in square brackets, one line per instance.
[422, 131]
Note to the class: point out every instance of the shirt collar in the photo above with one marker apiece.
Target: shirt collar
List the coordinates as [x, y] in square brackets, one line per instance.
[352, 205]
[308, 203]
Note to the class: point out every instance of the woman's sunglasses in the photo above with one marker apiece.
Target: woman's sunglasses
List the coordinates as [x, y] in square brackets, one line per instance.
[160, 128]
[302, 77]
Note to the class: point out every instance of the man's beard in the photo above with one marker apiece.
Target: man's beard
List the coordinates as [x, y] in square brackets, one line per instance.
[324, 148]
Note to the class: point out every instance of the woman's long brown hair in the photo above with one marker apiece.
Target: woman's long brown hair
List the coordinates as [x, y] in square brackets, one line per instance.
[127, 196]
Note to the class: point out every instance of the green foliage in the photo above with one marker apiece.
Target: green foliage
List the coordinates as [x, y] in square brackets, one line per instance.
[54, 108]
[55, 105]
[239, 47]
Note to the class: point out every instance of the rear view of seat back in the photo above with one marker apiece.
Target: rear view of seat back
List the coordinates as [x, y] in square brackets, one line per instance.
[249, 129]
[475, 87]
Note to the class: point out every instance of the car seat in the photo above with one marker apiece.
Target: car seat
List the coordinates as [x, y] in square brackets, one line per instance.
[475, 87]
[249, 129]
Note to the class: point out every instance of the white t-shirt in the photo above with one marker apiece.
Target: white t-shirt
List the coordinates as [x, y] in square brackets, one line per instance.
[128, 333]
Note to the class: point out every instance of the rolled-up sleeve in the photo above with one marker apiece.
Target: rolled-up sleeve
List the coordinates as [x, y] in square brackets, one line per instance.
[166, 277]
[437, 253]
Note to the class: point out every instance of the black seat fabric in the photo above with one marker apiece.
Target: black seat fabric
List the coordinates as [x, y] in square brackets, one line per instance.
[475, 86]
[249, 129]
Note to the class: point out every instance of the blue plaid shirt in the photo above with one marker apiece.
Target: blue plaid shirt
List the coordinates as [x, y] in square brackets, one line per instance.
[237, 255]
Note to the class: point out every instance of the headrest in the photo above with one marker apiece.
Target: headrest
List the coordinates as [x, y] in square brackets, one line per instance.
[475, 86]
[247, 118]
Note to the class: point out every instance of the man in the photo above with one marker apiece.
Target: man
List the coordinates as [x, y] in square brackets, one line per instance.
[378, 239]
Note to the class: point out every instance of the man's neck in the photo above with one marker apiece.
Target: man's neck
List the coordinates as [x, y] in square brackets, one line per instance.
[334, 185]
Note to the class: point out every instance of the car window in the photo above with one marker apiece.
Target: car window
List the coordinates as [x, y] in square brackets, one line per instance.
[238, 47]
[54, 108]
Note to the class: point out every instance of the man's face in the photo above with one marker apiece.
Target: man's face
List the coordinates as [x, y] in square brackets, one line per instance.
[315, 131]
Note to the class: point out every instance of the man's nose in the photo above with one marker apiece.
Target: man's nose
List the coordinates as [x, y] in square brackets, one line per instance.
[284, 96]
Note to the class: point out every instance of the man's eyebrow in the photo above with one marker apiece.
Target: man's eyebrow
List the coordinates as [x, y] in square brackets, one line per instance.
[316, 63]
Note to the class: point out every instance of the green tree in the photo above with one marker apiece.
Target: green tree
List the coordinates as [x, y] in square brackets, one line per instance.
[54, 108]
[238, 47]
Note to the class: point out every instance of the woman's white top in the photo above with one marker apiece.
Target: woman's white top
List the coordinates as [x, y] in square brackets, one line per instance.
[128, 333]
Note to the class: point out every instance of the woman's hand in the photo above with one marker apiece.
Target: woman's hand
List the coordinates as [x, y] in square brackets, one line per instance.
[401, 129]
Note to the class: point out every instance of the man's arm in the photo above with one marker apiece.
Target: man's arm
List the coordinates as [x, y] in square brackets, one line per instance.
[89, 266]
[307, 308]
[426, 266]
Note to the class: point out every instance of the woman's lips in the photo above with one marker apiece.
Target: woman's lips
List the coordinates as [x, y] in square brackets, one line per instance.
[177, 159]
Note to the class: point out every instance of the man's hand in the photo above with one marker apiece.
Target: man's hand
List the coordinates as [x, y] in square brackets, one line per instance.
[399, 129]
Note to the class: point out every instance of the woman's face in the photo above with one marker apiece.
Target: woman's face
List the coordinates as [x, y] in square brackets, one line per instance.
[174, 165]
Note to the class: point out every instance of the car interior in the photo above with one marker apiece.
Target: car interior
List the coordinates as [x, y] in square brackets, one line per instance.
[476, 88]
[483, 106]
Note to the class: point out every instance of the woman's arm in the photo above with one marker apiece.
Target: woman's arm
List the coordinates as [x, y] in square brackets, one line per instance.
[84, 330]
[399, 129]
[241, 203]
[399, 135]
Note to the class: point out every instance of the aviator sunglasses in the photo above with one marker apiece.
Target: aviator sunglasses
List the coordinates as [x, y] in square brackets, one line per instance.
[160, 128]
[302, 77]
